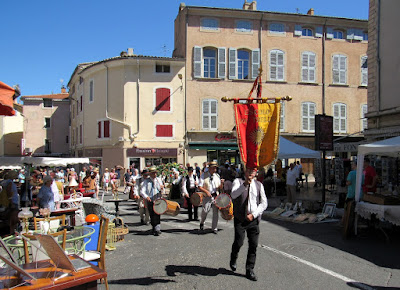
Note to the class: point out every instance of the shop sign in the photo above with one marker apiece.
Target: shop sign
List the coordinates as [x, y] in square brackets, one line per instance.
[147, 152]
[224, 137]
[346, 147]
[97, 152]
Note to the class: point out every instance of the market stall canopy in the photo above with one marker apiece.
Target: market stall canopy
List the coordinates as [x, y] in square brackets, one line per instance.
[41, 161]
[288, 149]
[7, 97]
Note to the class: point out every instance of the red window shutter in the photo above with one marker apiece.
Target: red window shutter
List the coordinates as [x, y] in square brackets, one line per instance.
[163, 100]
[98, 129]
[164, 131]
[106, 129]
[81, 103]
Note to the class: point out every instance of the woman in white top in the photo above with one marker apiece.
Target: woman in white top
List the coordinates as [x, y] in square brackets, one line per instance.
[106, 179]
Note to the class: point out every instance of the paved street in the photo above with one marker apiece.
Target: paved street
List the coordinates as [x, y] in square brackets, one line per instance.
[290, 256]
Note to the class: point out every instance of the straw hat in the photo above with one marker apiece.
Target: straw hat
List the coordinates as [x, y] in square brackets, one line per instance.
[106, 169]
[152, 169]
[213, 164]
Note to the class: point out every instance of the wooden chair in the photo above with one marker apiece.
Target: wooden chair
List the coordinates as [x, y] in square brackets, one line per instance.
[99, 255]
[62, 233]
[61, 218]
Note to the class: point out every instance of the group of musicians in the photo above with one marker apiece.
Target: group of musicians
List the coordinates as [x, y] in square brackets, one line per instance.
[248, 198]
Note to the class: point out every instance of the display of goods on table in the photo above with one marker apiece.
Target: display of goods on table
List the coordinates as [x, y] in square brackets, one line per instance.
[382, 199]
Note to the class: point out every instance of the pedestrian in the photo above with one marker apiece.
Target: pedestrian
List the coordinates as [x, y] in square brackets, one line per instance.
[113, 182]
[249, 203]
[205, 168]
[189, 186]
[106, 179]
[197, 170]
[127, 177]
[45, 197]
[82, 174]
[151, 190]
[118, 172]
[291, 184]
[210, 183]
[54, 189]
[176, 184]
[9, 200]
[370, 177]
[142, 204]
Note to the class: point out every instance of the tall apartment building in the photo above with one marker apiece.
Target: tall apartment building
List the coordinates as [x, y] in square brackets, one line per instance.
[320, 61]
[384, 74]
[128, 109]
[46, 127]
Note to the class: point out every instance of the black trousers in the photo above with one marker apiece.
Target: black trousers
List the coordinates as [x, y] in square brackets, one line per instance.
[154, 218]
[253, 232]
[190, 210]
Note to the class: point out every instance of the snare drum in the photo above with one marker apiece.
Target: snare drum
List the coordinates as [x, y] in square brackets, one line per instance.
[223, 201]
[227, 213]
[163, 206]
[196, 199]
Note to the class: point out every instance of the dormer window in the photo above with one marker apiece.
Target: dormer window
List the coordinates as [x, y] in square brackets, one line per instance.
[338, 34]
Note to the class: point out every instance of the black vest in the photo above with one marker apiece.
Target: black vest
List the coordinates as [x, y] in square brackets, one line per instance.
[240, 206]
[190, 190]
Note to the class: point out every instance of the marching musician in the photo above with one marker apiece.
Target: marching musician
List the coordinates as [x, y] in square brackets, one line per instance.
[151, 189]
[210, 183]
[249, 202]
[142, 206]
[189, 186]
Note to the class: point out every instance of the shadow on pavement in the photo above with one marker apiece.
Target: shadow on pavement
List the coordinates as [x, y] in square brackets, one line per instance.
[172, 270]
[359, 285]
[146, 281]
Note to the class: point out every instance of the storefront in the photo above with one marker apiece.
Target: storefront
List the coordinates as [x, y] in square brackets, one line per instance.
[145, 157]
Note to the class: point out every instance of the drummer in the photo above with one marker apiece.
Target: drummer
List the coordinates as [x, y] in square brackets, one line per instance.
[151, 190]
[210, 183]
[189, 186]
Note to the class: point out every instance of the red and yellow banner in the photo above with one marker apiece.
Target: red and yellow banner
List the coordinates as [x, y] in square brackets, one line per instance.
[257, 126]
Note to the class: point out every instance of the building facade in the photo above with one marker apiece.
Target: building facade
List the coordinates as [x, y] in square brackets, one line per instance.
[128, 109]
[321, 62]
[46, 126]
[384, 74]
[11, 133]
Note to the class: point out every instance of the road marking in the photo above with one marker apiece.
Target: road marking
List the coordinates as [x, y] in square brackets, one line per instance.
[319, 268]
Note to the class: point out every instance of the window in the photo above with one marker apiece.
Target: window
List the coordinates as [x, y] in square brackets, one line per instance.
[308, 67]
[244, 26]
[80, 134]
[72, 111]
[47, 123]
[47, 146]
[308, 116]
[163, 99]
[210, 58]
[163, 68]
[339, 69]
[103, 129]
[364, 120]
[337, 34]
[205, 62]
[164, 130]
[91, 91]
[339, 118]
[67, 139]
[243, 64]
[276, 28]
[210, 24]
[365, 36]
[364, 71]
[307, 32]
[276, 65]
[47, 103]
[282, 119]
[210, 115]
[81, 103]
[76, 136]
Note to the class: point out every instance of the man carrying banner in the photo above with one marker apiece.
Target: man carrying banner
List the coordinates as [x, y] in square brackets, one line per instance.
[210, 183]
[249, 202]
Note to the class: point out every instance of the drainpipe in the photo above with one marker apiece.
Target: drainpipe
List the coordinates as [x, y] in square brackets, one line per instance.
[378, 56]
[131, 136]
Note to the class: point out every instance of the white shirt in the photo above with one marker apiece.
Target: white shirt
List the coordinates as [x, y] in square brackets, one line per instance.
[291, 176]
[55, 191]
[192, 184]
[256, 188]
[214, 183]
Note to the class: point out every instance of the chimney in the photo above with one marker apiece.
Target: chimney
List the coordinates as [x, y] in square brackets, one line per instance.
[246, 5]
[250, 6]
[311, 11]
[130, 51]
[63, 90]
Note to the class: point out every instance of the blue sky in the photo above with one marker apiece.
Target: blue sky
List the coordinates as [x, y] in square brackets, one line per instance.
[44, 40]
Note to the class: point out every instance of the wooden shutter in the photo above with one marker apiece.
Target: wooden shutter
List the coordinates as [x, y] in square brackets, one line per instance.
[305, 67]
[336, 117]
[163, 100]
[206, 114]
[364, 71]
[197, 60]
[298, 30]
[335, 69]
[255, 62]
[281, 66]
[364, 120]
[311, 68]
[221, 62]
[232, 63]
[343, 69]
[305, 116]
[164, 131]
[106, 129]
[213, 112]
[312, 116]
[98, 129]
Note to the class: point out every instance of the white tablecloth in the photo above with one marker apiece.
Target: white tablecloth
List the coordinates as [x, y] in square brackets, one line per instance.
[390, 213]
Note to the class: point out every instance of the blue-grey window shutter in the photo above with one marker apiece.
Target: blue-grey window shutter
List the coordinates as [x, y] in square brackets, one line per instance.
[329, 33]
[350, 33]
[319, 32]
[297, 30]
[221, 62]
[197, 51]
[358, 34]
[232, 63]
[255, 62]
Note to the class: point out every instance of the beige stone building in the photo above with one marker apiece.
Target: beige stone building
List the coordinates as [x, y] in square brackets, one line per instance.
[11, 133]
[384, 74]
[320, 61]
[128, 109]
[46, 126]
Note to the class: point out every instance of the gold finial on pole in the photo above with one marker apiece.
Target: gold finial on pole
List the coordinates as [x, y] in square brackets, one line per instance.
[260, 100]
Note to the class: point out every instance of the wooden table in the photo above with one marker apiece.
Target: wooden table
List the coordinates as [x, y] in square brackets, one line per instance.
[83, 279]
[116, 201]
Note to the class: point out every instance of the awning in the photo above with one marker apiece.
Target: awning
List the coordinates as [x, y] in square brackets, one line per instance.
[7, 96]
[213, 145]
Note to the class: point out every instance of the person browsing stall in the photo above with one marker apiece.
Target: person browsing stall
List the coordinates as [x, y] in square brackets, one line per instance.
[45, 197]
